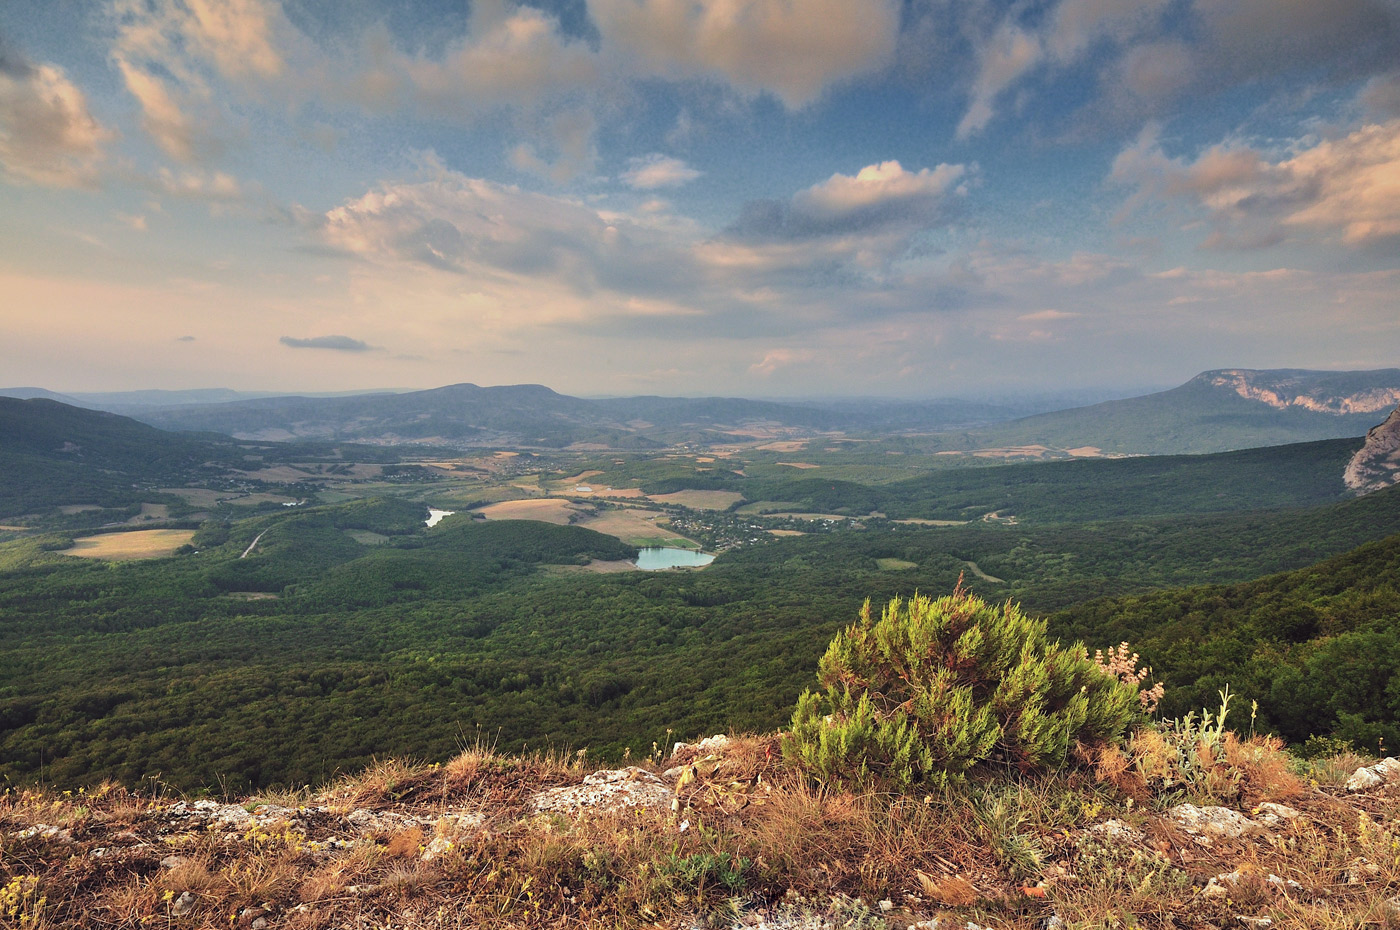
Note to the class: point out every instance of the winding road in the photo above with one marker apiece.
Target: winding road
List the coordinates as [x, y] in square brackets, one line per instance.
[253, 543]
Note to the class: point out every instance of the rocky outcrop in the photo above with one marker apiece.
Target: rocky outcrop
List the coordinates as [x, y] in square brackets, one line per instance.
[1376, 464]
[608, 790]
[1373, 776]
[1315, 391]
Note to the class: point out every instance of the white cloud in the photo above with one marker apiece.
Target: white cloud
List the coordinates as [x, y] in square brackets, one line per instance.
[163, 119]
[1009, 54]
[1346, 187]
[876, 186]
[791, 50]
[48, 136]
[211, 186]
[650, 172]
[883, 199]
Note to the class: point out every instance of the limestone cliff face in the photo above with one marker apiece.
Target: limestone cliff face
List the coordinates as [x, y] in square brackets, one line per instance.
[1376, 464]
[1306, 390]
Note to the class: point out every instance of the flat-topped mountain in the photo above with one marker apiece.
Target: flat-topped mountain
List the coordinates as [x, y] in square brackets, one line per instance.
[1216, 411]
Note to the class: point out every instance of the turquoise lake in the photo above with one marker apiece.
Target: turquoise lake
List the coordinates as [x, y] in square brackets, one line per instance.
[655, 558]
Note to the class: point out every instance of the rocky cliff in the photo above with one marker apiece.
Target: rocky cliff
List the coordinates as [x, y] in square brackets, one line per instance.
[1376, 464]
[1337, 393]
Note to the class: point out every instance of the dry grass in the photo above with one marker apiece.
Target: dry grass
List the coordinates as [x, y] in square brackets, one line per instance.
[128, 546]
[747, 835]
[547, 510]
[700, 500]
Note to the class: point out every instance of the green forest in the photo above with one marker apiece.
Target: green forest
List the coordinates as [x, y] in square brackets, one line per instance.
[320, 650]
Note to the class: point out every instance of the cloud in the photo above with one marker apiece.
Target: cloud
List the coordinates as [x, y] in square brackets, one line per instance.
[336, 343]
[882, 197]
[211, 186]
[1151, 55]
[650, 172]
[791, 50]
[163, 119]
[775, 359]
[1062, 39]
[48, 136]
[516, 57]
[1045, 316]
[1381, 95]
[1346, 187]
[1253, 39]
[184, 339]
[569, 150]
[1010, 53]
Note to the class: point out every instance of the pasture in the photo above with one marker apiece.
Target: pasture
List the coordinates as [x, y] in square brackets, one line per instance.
[125, 547]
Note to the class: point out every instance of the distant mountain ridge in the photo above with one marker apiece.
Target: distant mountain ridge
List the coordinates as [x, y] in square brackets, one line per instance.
[1216, 411]
[534, 415]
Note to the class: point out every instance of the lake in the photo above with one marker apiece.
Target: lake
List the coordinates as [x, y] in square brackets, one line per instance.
[654, 558]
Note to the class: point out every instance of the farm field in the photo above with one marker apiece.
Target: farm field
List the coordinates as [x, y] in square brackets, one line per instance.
[548, 510]
[136, 544]
[700, 500]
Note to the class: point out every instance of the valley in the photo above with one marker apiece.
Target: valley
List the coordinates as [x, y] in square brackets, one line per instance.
[257, 613]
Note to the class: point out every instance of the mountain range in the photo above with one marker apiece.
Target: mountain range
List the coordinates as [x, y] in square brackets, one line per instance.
[1215, 411]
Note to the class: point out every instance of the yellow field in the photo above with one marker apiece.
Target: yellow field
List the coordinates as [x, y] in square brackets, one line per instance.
[546, 509]
[630, 526]
[71, 509]
[919, 522]
[799, 464]
[637, 527]
[594, 567]
[787, 532]
[136, 544]
[700, 500]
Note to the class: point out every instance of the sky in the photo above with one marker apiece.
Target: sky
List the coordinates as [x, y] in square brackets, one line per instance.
[777, 198]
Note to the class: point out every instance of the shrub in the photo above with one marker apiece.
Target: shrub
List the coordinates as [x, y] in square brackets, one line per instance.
[936, 686]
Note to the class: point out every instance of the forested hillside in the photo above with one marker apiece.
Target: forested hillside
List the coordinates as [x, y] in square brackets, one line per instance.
[1318, 648]
[318, 652]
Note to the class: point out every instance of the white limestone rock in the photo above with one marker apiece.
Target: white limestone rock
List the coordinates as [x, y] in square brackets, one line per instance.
[1271, 814]
[609, 789]
[1209, 823]
[1373, 776]
[1118, 831]
[1224, 883]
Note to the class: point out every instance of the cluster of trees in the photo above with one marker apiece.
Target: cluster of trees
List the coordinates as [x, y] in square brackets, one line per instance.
[175, 667]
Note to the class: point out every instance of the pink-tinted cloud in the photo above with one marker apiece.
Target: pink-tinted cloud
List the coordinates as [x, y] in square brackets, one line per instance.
[1345, 188]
